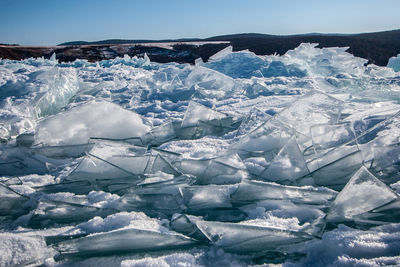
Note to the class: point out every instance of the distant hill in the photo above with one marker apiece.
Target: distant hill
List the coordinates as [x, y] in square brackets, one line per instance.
[123, 41]
[377, 47]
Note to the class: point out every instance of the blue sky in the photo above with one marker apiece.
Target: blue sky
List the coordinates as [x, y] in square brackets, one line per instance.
[49, 22]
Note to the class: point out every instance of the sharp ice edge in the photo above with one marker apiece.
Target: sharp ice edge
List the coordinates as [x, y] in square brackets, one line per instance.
[239, 158]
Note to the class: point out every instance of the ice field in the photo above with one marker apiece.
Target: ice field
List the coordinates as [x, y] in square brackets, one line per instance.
[241, 160]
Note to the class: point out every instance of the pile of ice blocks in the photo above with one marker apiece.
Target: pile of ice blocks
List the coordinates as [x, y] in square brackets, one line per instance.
[257, 156]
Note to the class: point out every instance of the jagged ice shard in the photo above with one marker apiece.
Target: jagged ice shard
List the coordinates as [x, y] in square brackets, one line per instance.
[238, 160]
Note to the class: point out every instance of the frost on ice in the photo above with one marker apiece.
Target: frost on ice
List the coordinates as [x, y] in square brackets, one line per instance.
[242, 159]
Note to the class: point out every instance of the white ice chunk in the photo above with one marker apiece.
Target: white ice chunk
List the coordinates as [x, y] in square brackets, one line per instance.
[123, 241]
[58, 86]
[364, 192]
[325, 61]
[313, 108]
[252, 191]
[211, 83]
[220, 54]
[252, 121]
[91, 119]
[241, 64]
[394, 63]
[199, 61]
[206, 197]
[53, 57]
[267, 139]
[223, 170]
[328, 136]
[10, 201]
[242, 238]
[196, 112]
[288, 165]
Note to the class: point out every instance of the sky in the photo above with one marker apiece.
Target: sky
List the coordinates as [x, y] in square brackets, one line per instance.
[50, 22]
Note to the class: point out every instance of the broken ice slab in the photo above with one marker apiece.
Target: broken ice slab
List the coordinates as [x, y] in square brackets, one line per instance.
[163, 185]
[11, 202]
[363, 193]
[119, 173]
[90, 119]
[107, 148]
[50, 212]
[252, 121]
[325, 61]
[383, 133]
[124, 241]
[394, 63]
[92, 168]
[160, 164]
[222, 170]
[288, 165]
[267, 140]
[277, 68]
[329, 136]
[385, 163]
[242, 238]
[168, 155]
[222, 54]
[160, 134]
[136, 141]
[108, 160]
[102, 176]
[335, 168]
[252, 191]
[186, 225]
[214, 127]
[156, 196]
[380, 148]
[76, 187]
[22, 161]
[67, 151]
[200, 120]
[312, 108]
[211, 83]
[363, 121]
[243, 64]
[118, 186]
[198, 199]
[196, 112]
[388, 213]
[153, 204]
[58, 86]
[133, 159]
[310, 217]
[375, 148]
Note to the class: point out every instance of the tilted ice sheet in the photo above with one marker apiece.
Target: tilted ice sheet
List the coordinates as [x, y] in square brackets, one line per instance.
[363, 193]
[394, 63]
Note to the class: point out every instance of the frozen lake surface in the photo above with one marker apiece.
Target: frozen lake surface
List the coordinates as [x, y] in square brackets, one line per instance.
[241, 160]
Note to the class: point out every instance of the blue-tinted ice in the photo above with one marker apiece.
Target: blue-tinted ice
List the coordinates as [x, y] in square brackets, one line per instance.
[248, 154]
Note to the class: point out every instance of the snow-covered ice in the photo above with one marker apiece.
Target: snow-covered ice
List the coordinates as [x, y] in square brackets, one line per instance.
[241, 160]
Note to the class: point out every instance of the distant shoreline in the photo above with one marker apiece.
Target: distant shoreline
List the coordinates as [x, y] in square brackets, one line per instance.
[376, 47]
